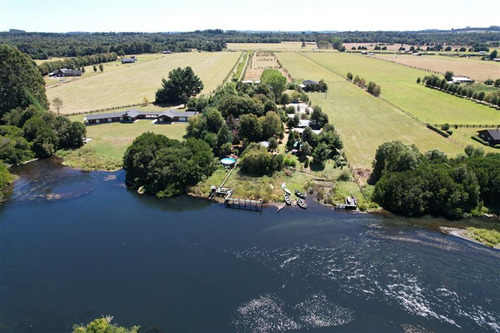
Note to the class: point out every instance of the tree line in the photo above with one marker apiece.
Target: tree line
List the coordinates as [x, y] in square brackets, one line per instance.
[77, 62]
[48, 45]
[414, 184]
[492, 97]
[371, 87]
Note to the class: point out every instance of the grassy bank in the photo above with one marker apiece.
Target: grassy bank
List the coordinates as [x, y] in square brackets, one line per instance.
[488, 237]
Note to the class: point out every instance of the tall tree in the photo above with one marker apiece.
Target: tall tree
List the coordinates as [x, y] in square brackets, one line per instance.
[21, 84]
[57, 103]
[275, 80]
[182, 84]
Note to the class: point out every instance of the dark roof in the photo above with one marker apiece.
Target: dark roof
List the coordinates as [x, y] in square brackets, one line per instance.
[495, 134]
[133, 113]
[174, 113]
[70, 71]
[310, 82]
[105, 115]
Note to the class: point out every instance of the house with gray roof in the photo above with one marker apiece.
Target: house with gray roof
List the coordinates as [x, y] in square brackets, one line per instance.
[129, 116]
[490, 135]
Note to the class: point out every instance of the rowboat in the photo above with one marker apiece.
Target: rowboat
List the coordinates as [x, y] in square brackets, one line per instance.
[302, 204]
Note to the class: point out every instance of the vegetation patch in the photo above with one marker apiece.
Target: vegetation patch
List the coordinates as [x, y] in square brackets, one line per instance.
[489, 237]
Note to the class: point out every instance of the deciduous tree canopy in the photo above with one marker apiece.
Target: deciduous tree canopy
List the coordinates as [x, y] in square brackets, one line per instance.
[182, 84]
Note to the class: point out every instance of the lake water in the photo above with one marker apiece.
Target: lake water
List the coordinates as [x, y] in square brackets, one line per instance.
[77, 245]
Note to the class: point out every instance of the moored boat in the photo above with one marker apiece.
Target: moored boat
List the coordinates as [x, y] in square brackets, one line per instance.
[288, 201]
[302, 204]
[300, 194]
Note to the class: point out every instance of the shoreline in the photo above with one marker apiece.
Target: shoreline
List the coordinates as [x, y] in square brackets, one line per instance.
[464, 234]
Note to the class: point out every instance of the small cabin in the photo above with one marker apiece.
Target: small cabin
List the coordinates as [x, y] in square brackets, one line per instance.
[490, 135]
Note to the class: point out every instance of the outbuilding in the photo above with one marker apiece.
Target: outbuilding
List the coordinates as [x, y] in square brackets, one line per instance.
[490, 135]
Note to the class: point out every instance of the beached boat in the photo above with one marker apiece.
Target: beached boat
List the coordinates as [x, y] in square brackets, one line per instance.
[288, 201]
[302, 204]
[300, 194]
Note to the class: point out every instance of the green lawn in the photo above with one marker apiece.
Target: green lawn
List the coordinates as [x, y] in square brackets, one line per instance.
[399, 87]
[363, 121]
[122, 85]
[109, 142]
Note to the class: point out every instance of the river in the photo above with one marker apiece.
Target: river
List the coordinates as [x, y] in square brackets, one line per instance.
[77, 245]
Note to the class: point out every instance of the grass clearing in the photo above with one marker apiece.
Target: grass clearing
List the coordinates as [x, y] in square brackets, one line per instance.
[363, 121]
[399, 87]
[109, 142]
[474, 68]
[464, 134]
[130, 84]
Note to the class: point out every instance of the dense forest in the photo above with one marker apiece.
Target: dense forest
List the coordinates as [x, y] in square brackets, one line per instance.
[27, 129]
[48, 45]
[413, 184]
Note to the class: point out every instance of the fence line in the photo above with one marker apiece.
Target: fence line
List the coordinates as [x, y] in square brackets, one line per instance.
[106, 109]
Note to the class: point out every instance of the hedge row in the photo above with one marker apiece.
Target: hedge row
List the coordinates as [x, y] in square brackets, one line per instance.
[438, 130]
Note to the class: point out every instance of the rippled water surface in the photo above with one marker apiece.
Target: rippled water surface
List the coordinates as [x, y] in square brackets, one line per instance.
[77, 245]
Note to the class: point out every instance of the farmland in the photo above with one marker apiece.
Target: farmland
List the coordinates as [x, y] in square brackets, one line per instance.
[284, 46]
[474, 68]
[399, 88]
[130, 84]
[363, 121]
[260, 62]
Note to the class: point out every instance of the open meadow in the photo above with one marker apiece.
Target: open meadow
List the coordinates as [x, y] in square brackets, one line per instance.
[109, 142]
[130, 84]
[284, 46]
[364, 122]
[474, 68]
[399, 87]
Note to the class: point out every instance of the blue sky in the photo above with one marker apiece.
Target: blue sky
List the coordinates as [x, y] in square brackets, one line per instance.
[189, 15]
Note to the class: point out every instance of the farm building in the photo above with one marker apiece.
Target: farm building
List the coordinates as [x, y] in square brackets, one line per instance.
[490, 135]
[128, 60]
[162, 117]
[461, 79]
[63, 72]
[310, 84]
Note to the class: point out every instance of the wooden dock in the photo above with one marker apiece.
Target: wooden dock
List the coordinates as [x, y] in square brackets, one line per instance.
[243, 203]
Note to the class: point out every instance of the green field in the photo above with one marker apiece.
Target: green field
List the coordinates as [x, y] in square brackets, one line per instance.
[109, 142]
[363, 121]
[126, 85]
[463, 135]
[399, 87]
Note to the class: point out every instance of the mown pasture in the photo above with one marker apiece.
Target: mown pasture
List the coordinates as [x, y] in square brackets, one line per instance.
[399, 87]
[109, 142]
[474, 68]
[130, 84]
[363, 121]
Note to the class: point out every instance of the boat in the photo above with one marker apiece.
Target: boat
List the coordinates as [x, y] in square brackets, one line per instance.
[288, 201]
[302, 204]
[300, 194]
[287, 192]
